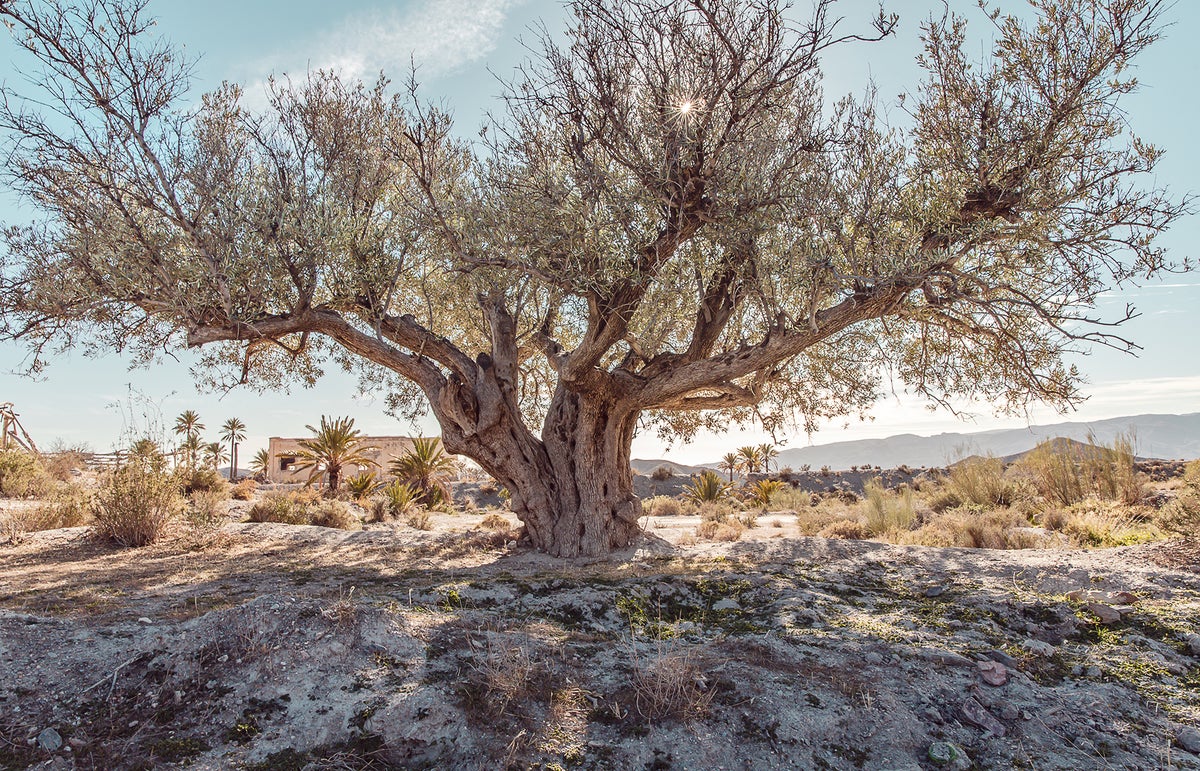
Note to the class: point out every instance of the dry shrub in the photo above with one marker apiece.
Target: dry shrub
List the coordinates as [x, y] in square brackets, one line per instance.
[331, 513]
[845, 529]
[289, 508]
[979, 481]
[1066, 474]
[495, 521]
[505, 671]
[203, 478]
[975, 527]
[244, 490]
[670, 684]
[661, 474]
[63, 462]
[1182, 515]
[1097, 523]
[716, 530]
[662, 506]
[137, 502]
[206, 512]
[420, 519]
[22, 475]
[66, 505]
[888, 512]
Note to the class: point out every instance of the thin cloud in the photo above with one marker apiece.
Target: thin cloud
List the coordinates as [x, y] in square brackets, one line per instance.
[441, 37]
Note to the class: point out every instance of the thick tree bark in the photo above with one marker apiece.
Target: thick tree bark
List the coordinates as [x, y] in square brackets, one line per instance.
[572, 489]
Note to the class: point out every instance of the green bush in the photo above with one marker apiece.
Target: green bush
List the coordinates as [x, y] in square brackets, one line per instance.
[362, 485]
[707, 488]
[137, 502]
[22, 475]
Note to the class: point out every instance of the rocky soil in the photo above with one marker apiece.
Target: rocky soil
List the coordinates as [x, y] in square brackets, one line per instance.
[282, 647]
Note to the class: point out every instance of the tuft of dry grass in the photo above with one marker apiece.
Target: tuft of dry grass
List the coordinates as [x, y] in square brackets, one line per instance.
[495, 521]
[298, 507]
[670, 684]
[420, 519]
[846, 529]
[887, 512]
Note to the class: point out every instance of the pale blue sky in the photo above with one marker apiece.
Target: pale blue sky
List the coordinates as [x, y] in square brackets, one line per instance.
[455, 43]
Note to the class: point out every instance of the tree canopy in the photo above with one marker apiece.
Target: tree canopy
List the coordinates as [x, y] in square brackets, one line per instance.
[669, 223]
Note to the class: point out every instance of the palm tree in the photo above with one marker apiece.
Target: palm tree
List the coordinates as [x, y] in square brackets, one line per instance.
[731, 462]
[334, 445]
[192, 446]
[234, 432]
[261, 462]
[214, 453]
[751, 458]
[768, 453]
[189, 426]
[427, 469]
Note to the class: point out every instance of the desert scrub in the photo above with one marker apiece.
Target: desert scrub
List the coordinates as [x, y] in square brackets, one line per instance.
[22, 475]
[1182, 515]
[206, 510]
[976, 527]
[671, 683]
[204, 478]
[288, 508]
[1101, 523]
[1065, 474]
[137, 502]
[887, 512]
[495, 521]
[979, 481]
[396, 499]
[845, 529]
[662, 506]
[244, 490]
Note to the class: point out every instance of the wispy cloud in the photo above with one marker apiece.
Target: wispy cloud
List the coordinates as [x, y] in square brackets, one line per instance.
[440, 36]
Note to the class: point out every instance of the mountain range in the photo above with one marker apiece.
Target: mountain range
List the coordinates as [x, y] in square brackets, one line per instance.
[1155, 436]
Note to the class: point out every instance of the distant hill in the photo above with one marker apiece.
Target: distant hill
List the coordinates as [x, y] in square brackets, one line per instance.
[1157, 436]
[648, 466]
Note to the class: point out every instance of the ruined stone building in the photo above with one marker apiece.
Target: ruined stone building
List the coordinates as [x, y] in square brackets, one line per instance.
[285, 453]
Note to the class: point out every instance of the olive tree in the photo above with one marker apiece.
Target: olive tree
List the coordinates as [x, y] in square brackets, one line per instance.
[669, 226]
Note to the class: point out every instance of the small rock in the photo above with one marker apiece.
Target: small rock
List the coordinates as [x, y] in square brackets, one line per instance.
[977, 715]
[874, 657]
[49, 740]
[726, 604]
[936, 591]
[949, 755]
[1106, 613]
[1003, 658]
[1094, 671]
[1193, 644]
[1038, 647]
[144, 620]
[1188, 738]
[993, 672]
[1009, 711]
[948, 658]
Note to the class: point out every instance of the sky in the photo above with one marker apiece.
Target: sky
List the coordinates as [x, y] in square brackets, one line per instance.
[460, 48]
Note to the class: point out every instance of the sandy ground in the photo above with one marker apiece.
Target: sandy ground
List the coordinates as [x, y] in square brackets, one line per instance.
[268, 646]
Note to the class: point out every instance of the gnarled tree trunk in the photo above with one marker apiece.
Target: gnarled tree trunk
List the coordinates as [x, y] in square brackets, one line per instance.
[573, 488]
